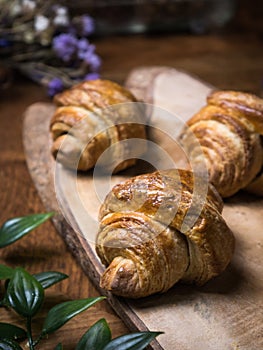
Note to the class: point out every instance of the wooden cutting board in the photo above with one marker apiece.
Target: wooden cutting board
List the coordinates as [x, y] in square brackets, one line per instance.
[224, 314]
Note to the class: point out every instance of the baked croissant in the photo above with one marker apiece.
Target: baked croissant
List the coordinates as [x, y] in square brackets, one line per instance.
[229, 130]
[141, 240]
[85, 124]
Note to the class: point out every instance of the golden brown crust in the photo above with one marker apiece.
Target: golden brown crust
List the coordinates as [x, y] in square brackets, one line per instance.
[246, 105]
[109, 88]
[227, 129]
[142, 241]
[84, 114]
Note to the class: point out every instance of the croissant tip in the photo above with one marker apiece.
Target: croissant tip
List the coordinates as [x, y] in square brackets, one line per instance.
[120, 277]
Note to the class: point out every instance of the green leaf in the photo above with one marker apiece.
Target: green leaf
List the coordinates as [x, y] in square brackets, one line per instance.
[96, 338]
[59, 347]
[133, 341]
[6, 272]
[16, 228]
[62, 313]
[7, 344]
[9, 331]
[24, 293]
[47, 279]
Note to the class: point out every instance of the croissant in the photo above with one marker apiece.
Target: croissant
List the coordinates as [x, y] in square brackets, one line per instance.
[143, 241]
[229, 130]
[85, 124]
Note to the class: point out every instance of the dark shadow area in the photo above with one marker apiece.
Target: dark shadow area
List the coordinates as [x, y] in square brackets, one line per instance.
[229, 282]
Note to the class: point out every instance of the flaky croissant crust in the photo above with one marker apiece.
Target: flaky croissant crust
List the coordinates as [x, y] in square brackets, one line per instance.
[248, 106]
[140, 238]
[83, 118]
[229, 130]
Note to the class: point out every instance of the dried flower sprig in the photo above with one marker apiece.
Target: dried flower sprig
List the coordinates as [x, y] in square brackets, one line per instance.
[41, 40]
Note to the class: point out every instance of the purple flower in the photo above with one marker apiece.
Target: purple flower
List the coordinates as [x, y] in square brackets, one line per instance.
[55, 86]
[92, 76]
[94, 62]
[65, 45]
[85, 49]
[87, 23]
[86, 52]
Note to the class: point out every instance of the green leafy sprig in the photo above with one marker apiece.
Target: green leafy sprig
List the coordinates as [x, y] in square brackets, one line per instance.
[25, 294]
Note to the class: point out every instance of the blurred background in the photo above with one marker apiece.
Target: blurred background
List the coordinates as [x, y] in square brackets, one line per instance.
[55, 43]
[159, 16]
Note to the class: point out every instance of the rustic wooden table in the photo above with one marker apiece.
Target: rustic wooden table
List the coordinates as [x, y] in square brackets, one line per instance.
[226, 61]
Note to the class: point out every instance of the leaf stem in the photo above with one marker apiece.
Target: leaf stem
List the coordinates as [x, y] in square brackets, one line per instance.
[37, 340]
[29, 333]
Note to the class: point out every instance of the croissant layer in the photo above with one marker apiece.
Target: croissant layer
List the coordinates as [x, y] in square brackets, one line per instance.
[155, 231]
[229, 130]
[93, 117]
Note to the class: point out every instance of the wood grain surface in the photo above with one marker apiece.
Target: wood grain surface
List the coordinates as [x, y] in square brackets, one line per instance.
[226, 61]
